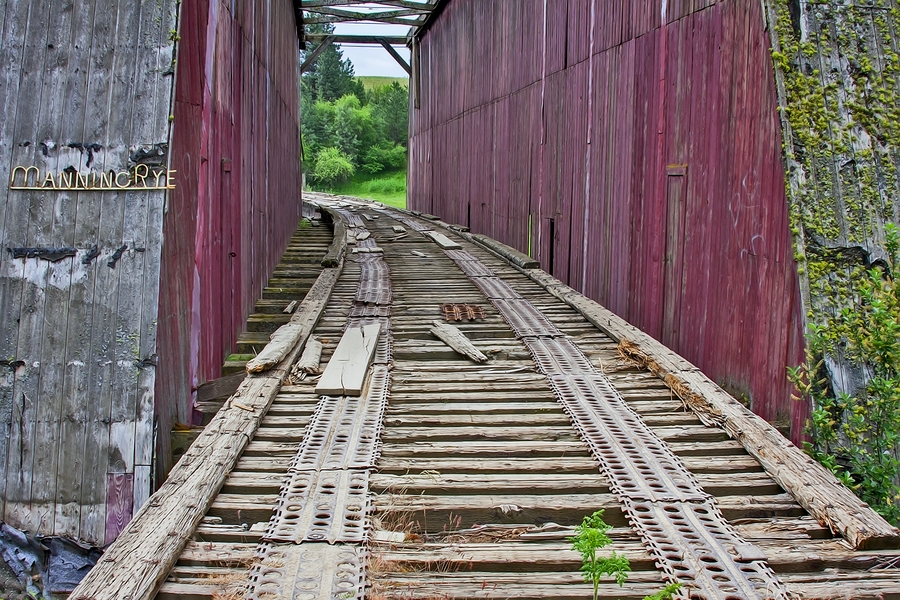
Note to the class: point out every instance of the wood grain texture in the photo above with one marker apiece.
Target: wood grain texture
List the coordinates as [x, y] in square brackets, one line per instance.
[136, 564]
[85, 93]
[346, 370]
[235, 143]
[457, 340]
[814, 487]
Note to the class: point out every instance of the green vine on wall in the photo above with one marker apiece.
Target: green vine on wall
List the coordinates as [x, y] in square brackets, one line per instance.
[857, 437]
[838, 71]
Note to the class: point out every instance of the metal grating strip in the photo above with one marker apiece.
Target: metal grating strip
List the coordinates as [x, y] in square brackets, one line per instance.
[660, 496]
[474, 268]
[322, 506]
[525, 319]
[309, 571]
[367, 243]
[462, 256]
[361, 309]
[638, 464]
[374, 280]
[343, 432]
[695, 544]
[557, 355]
[353, 220]
[495, 288]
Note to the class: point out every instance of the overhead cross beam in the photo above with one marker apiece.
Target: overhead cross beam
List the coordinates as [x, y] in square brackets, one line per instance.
[396, 56]
[309, 4]
[394, 12]
[394, 40]
[315, 54]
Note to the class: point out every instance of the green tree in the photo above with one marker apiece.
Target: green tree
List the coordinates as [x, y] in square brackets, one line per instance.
[390, 108]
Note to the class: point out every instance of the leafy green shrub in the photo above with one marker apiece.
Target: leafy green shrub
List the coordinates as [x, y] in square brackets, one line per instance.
[858, 438]
[332, 166]
[384, 156]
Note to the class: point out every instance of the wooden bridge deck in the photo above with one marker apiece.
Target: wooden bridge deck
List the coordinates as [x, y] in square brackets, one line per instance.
[481, 477]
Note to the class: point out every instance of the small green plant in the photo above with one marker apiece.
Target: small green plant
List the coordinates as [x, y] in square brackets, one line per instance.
[590, 537]
[667, 593]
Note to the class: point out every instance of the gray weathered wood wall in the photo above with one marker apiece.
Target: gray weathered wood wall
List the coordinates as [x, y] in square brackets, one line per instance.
[84, 85]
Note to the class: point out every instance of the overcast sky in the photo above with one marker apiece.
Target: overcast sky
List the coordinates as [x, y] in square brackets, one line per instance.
[373, 60]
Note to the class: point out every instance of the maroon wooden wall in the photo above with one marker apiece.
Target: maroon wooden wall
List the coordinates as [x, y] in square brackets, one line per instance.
[634, 148]
[235, 145]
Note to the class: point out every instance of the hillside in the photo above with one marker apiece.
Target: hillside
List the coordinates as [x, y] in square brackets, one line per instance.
[372, 81]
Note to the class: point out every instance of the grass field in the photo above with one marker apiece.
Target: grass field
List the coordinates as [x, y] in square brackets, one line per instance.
[373, 81]
[388, 188]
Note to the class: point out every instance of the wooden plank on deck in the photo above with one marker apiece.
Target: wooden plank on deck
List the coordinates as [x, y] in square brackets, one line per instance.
[346, 371]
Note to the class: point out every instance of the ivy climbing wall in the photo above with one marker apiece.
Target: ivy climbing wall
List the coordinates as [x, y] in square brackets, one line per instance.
[837, 73]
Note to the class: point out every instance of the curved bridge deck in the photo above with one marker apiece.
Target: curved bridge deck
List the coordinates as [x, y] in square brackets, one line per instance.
[451, 478]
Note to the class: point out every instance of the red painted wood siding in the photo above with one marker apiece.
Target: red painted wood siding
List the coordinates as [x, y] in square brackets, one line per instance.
[642, 144]
[235, 145]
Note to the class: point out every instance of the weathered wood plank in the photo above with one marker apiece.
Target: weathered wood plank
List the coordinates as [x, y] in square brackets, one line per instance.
[162, 527]
[346, 371]
[443, 241]
[817, 490]
[457, 340]
[220, 388]
[287, 336]
[517, 258]
[309, 360]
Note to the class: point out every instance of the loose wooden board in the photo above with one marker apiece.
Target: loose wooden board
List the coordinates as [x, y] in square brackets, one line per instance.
[443, 241]
[346, 371]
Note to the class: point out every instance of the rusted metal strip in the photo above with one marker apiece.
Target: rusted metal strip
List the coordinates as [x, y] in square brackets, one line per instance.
[460, 312]
[374, 280]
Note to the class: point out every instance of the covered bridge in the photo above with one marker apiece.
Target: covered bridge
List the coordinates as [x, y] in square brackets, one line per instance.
[713, 173]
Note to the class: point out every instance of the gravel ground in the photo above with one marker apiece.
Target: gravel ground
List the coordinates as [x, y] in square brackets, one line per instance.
[10, 588]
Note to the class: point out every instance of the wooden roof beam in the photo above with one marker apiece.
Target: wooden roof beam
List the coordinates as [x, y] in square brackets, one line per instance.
[355, 14]
[396, 56]
[424, 6]
[393, 21]
[359, 39]
[315, 54]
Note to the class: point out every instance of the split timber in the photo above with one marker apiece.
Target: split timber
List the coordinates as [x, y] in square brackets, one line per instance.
[481, 476]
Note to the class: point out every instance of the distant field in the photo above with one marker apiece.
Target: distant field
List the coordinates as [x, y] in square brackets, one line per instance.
[371, 81]
[389, 188]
